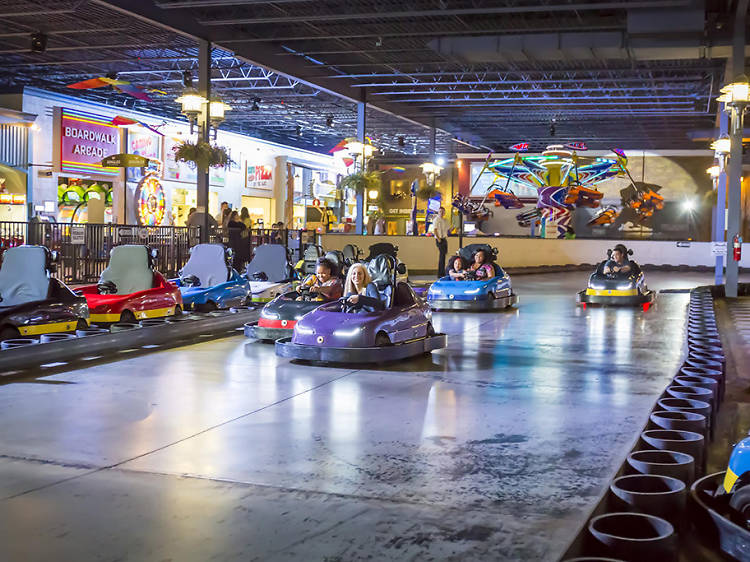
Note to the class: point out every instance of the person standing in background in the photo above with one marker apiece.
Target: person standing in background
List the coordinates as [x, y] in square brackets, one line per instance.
[441, 228]
[220, 217]
[245, 217]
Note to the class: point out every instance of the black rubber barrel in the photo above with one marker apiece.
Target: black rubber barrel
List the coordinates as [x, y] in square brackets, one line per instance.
[684, 405]
[18, 342]
[653, 494]
[690, 442]
[704, 372]
[663, 463]
[693, 393]
[634, 537]
[47, 338]
[698, 382]
[91, 332]
[123, 327]
[680, 421]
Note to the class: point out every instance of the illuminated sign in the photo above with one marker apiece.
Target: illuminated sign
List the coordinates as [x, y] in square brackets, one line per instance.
[259, 177]
[86, 139]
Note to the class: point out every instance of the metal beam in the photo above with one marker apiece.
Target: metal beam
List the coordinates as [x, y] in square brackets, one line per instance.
[361, 137]
[220, 3]
[418, 33]
[490, 10]
[268, 55]
[204, 122]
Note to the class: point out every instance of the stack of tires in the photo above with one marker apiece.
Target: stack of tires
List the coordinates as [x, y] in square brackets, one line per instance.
[645, 509]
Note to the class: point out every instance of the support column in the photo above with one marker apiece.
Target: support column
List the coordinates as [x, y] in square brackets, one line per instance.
[734, 219]
[359, 225]
[721, 203]
[204, 130]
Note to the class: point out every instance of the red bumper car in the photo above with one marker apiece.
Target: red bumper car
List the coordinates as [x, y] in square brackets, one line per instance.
[130, 289]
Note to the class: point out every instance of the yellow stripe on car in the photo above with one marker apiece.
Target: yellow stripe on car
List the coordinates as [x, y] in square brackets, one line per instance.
[155, 313]
[611, 292]
[36, 329]
[104, 317]
[729, 480]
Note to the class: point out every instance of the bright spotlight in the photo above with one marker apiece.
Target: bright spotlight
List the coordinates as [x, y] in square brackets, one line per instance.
[688, 205]
[440, 161]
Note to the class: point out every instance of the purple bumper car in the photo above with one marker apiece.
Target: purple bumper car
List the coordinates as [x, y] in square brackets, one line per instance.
[339, 333]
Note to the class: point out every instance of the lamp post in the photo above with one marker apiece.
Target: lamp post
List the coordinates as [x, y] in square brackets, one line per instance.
[721, 147]
[735, 97]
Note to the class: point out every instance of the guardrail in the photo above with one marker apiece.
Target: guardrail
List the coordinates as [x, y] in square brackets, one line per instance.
[83, 249]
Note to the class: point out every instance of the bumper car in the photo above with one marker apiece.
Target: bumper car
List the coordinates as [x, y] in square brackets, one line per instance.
[339, 332]
[33, 303]
[617, 289]
[130, 289]
[269, 273]
[278, 317]
[388, 249]
[208, 281]
[495, 293]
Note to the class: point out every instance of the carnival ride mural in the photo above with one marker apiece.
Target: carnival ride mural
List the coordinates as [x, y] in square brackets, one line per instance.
[563, 181]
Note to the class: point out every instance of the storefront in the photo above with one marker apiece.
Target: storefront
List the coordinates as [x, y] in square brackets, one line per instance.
[85, 188]
[84, 200]
[14, 159]
[74, 135]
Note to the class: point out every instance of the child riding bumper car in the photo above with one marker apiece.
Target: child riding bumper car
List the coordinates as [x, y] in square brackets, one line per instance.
[130, 289]
[617, 281]
[32, 302]
[387, 322]
[208, 281]
[269, 273]
[472, 289]
[278, 317]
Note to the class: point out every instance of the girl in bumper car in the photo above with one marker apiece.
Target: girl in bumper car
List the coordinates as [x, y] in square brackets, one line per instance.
[360, 291]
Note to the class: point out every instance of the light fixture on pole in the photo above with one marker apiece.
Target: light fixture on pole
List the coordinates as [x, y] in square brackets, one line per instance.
[735, 97]
[722, 145]
[714, 171]
[431, 171]
[194, 105]
[216, 110]
[737, 93]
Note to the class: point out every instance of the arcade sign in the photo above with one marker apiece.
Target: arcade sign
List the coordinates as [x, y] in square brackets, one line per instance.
[84, 140]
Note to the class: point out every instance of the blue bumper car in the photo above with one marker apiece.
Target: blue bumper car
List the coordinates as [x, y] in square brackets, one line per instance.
[208, 281]
[494, 293]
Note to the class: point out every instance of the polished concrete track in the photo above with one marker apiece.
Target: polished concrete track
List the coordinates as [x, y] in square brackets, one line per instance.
[494, 449]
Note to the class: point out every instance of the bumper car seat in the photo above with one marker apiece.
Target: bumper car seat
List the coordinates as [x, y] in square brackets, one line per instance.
[207, 263]
[23, 276]
[129, 269]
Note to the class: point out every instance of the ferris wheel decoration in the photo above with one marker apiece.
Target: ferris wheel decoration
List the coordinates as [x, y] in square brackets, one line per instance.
[150, 201]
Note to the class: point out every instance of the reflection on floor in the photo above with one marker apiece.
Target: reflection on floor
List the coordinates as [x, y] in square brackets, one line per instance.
[493, 449]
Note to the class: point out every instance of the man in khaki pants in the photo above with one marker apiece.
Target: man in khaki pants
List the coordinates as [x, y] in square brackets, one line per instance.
[441, 228]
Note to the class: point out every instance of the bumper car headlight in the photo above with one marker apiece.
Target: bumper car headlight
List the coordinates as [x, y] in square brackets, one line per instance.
[269, 315]
[473, 291]
[597, 286]
[303, 330]
[350, 333]
[624, 286]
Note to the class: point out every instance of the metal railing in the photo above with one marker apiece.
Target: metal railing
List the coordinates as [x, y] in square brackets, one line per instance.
[83, 249]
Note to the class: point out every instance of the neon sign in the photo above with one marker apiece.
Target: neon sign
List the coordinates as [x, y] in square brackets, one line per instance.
[85, 139]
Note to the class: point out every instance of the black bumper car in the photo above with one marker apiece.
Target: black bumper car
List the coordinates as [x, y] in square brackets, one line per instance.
[32, 303]
[617, 289]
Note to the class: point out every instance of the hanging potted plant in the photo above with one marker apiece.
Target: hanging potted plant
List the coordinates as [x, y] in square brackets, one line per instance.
[427, 191]
[203, 155]
[361, 182]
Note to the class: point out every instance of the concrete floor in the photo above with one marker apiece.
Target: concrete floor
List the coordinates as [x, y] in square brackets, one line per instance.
[494, 449]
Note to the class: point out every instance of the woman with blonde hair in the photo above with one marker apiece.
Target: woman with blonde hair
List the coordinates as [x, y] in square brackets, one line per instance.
[360, 291]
